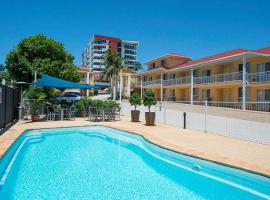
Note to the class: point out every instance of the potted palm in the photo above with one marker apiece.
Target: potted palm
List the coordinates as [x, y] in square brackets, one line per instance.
[35, 107]
[135, 100]
[149, 99]
[36, 98]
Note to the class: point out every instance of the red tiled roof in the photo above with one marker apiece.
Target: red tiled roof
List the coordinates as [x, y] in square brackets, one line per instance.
[265, 50]
[211, 58]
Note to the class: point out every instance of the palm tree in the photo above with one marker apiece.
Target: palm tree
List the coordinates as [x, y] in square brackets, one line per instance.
[137, 66]
[114, 64]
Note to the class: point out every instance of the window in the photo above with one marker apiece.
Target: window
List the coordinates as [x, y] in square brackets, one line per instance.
[172, 76]
[195, 73]
[154, 66]
[240, 94]
[263, 95]
[206, 94]
[165, 76]
[207, 72]
[263, 67]
[163, 62]
[240, 67]
[195, 94]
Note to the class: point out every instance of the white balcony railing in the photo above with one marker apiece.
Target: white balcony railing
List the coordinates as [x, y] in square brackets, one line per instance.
[220, 78]
[260, 77]
[152, 83]
[177, 81]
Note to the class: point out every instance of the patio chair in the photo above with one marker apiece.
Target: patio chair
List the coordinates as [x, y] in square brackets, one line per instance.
[117, 113]
[94, 114]
[50, 113]
[85, 112]
[70, 113]
[109, 114]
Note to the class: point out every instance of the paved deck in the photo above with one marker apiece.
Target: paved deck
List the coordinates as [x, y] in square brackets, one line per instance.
[242, 154]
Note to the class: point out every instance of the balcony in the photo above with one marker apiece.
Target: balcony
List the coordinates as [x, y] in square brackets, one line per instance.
[220, 78]
[83, 80]
[177, 81]
[261, 77]
[152, 83]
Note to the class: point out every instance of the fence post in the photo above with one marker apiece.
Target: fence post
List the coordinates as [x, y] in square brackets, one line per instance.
[3, 82]
[205, 117]
[184, 115]
[164, 114]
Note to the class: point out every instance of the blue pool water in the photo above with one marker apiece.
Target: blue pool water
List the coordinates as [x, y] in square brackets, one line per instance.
[103, 163]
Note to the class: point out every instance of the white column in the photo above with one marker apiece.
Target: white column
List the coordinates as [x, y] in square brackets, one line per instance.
[141, 87]
[244, 82]
[191, 86]
[161, 87]
[120, 87]
[87, 82]
[128, 85]
[113, 87]
[3, 82]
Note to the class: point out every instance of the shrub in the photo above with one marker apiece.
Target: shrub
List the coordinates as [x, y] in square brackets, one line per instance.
[135, 100]
[86, 102]
[149, 99]
[36, 100]
[95, 92]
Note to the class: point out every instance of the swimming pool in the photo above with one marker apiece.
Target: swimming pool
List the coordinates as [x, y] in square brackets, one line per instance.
[97, 162]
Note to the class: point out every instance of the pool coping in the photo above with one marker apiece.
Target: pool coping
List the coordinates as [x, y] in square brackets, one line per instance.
[151, 142]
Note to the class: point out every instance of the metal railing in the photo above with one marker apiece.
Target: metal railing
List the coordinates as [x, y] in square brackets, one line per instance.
[153, 82]
[252, 106]
[220, 78]
[260, 77]
[177, 81]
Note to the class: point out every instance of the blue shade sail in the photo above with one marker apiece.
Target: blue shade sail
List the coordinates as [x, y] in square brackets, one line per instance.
[50, 81]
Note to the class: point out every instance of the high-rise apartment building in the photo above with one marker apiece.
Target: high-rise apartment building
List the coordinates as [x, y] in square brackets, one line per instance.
[97, 47]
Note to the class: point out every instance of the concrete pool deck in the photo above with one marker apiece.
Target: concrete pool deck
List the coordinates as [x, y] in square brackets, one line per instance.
[229, 151]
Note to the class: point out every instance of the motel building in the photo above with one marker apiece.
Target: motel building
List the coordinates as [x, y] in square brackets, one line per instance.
[234, 79]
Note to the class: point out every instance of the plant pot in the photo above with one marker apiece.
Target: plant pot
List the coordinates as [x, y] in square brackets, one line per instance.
[135, 115]
[35, 117]
[150, 118]
[82, 114]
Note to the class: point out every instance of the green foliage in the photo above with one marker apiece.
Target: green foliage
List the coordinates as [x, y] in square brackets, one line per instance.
[85, 102]
[44, 55]
[113, 64]
[95, 92]
[149, 99]
[35, 93]
[4, 75]
[36, 99]
[137, 66]
[135, 100]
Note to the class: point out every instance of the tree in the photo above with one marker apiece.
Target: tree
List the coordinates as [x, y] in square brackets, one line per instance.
[149, 99]
[4, 75]
[2, 67]
[137, 66]
[43, 55]
[135, 100]
[114, 64]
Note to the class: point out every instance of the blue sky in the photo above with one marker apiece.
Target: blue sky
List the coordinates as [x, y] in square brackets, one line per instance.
[193, 28]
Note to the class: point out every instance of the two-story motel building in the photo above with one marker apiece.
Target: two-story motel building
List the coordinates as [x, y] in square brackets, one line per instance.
[222, 79]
